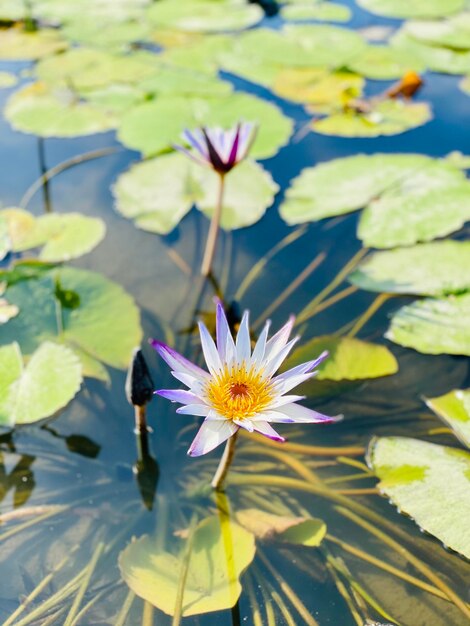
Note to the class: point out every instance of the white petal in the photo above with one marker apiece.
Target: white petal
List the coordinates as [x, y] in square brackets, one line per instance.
[210, 351]
[210, 435]
[258, 352]
[194, 409]
[303, 368]
[177, 361]
[282, 400]
[195, 385]
[283, 386]
[246, 424]
[222, 330]
[243, 343]
[299, 413]
[182, 396]
[279, 340]
[265, 429]
[274, 364]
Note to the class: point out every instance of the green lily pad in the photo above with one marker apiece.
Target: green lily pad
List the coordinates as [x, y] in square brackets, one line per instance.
[12, 10]
[412, 8]
[437, 59]
[323, 12]
[317, 86]
[453, 32]
[115, 37]
[343, 185]
[116, 99]
[182, 81]
[18, 44]
[158, 193]
[418, 217]
[322, 45]
[155, 126]
[64, 237]
[428, 482]
[103, 11]
[297, 530]
[219, 555]
[7, 79]
[46, 112]
[105, 324]
[47, 383]
[389, 117]
[458, 159]
[87, 68]
[454, 409]
[199, 53]
[349, 358]
[385, 62]
[429, 269]
[433, 325]
[205, 15]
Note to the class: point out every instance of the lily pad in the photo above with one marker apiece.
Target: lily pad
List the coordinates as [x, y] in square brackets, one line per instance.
[297, 530]
[103, 322]
[453, 32]
[317, 86]
[88, 68]
[115, 37]
[349, 358]
[429, 269]
[433, 325]
[64, 237]
[205, 15]
[103, 11]
[385, 62]
[46, 112]
[47, 383]
[465, 85]
[454, 409]
[428, 482]
[158, 193]
[343, 185]
[18, 44]
[219, 555]
[412, 8]
[323, 12]
[404, 220]
[436, 58]
[182, 81]
[200, 53]
[389, 117]
[155, 126]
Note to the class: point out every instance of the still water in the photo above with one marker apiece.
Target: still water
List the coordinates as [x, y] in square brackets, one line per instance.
[87, 459]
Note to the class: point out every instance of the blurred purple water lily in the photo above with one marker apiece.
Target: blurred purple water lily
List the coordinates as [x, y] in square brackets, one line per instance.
[240, 390]
[219, 149]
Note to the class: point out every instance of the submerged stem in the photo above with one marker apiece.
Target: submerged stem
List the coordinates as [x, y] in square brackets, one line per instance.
[368, 313]
[225, 462]
[213, 230]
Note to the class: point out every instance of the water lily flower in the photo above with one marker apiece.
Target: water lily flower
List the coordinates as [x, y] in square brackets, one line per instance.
[219, 149]
[241, 388]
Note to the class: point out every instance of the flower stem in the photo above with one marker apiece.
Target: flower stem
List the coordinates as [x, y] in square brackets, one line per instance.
[225, 462]
[213, 230]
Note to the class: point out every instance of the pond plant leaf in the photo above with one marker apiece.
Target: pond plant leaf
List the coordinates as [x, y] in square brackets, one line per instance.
[464, 85]
[428, 269]
[321, 11]
[343, 185]
[436, 58]
[7, 79]
[387, 117]
[18, 44]
[103, 11]
[47, 383]
[454, 409]
[453, 32]
[416, 217]
[383, 62]
[46, 112]
[205, 15]
[182, 81]
[105, 325]
[316, 86]
[158, 193]
[115, 37]
[219, 555]
[412, 8]
[428, 482]
[295, 530]
[348, 359]
[433, 325]
[155, 126]
[195, 51]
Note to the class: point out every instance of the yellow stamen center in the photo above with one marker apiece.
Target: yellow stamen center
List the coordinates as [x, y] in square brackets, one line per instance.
[238, 393]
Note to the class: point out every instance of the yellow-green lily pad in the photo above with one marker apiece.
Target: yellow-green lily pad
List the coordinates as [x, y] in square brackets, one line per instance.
[382, 62]
[453, 32]
[7, 79]
[319, 87]
[454, 409]
[322, 12]
[18, 44]
[412, 8]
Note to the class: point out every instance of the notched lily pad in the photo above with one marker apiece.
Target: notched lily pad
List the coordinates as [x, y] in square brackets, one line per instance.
[32, 392]
[433, 325]
[428, 482]
[430, 269]
[220, 553]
